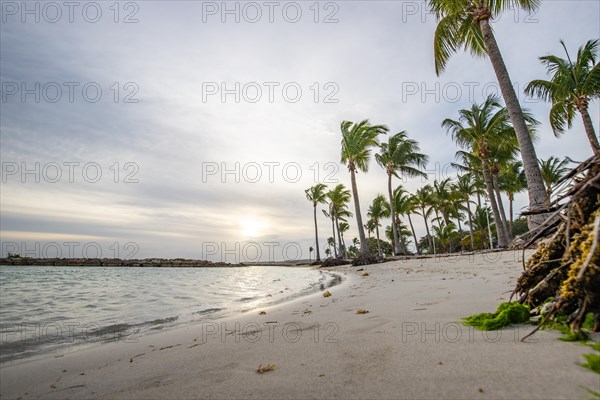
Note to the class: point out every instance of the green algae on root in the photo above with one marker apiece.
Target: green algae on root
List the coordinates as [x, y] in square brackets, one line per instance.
[506, 314]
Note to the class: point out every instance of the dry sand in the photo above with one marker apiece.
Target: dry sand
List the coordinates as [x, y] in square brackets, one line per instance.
[409, 345]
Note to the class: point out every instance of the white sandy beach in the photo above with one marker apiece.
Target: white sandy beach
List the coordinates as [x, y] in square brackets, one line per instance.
[409, 346]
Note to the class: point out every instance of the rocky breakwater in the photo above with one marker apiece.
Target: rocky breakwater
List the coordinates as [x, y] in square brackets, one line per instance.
[115, 262]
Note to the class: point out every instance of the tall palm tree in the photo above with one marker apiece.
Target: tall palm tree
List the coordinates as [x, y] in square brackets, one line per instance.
[482, 129]
[512, 181]
[379, 209]
[422, 201]
[466, 23]
[400, 155]
[357, 141]
[317, 195]
[465, 188]
[573, 85]
[553, 169]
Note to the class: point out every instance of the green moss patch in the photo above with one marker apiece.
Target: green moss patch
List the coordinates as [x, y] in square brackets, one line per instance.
[505, 315]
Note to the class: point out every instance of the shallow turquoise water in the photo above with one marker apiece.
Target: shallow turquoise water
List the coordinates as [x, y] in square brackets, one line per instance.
[45, 308]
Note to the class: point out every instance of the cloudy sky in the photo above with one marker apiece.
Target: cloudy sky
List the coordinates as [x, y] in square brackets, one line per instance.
[191, 129]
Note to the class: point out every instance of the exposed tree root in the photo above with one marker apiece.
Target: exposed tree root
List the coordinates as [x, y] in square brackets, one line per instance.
[565, 265]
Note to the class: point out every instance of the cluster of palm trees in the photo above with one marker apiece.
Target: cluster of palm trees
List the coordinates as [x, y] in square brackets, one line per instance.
[491, 137]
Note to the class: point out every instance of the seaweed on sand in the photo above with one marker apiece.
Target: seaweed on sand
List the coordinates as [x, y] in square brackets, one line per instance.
[506, 314]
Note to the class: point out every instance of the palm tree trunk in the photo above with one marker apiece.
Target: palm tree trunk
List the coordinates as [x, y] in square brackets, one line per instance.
[377, 232]
[471, 225]
[364, 249]
[501, 206]
[427, 229]
[535, 184]
[333, 236]
[394, 226]
[412, 228]
[502, 241]
[342, 252]
[589, 130]
[510, 211]
[316, 233]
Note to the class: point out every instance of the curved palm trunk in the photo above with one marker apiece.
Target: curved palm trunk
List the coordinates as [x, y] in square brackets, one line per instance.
[335, 253]
[394, 225]
[377, 232]
[589, 130]
[427, 229]
[501, 206]
[502, 241]
[316, 233]
[535, 184]
[471, 225]
[412, 228]
[364, 249]
[342, 251]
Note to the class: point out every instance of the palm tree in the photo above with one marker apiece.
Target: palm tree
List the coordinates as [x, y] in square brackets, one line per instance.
[357, 141]
[483, 129]
[442, 193]
[330, 215]
[553, 169]
[316, 194]
[402, 205]
[465, 188]
[338, 198]
[343, 227]
[512, 181]
[370, 227]
[379, 209]
[422, 201]
[573, 86]
[466, 23]
[446, 234]
[481, 217]
[400, 154]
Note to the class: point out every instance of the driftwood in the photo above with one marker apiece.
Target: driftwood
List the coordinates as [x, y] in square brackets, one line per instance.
[564, 269]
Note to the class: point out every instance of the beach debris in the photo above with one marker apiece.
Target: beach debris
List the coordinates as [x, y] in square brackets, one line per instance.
[53, 384]
[266, 368]
[361, 311]
[194, 345]
[480, 390]
[262, 313]
[365, 274]
[138, 355]
[307, 311]
[326, 293]
[565, 267]
[440, 363]
[169, 347]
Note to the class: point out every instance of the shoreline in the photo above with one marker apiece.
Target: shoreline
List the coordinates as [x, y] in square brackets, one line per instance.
[409, 345]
